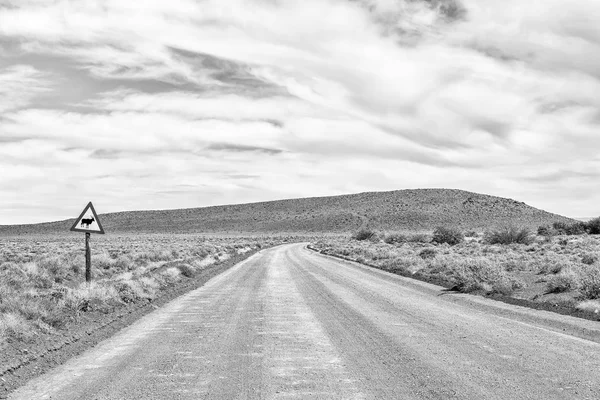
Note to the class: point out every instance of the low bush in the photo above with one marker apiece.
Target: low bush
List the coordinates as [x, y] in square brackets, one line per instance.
[94, 296]
[449, 235]
[418, 238]
[130, 291]
[160, 255]
[102, 261]
[546, 230]
[590, 282]
[403, 264]
[562, 282]
[593, 226]
[576, 228]
[395, 237]
[512, 265]
[589, 258]
[364, 234]
[168, 276]
[551, 264]
[510, 235]
[186, 270]
[13, 276]
[14, 325]
[472, 274]
[426, 254]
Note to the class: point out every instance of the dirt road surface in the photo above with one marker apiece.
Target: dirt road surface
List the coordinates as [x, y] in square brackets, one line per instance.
[290, 323]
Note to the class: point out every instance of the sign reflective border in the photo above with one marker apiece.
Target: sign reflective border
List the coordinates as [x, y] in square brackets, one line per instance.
[88, 221]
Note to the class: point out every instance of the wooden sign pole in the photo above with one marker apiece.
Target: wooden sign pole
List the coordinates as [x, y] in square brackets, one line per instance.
[88, 225]
[88, 259]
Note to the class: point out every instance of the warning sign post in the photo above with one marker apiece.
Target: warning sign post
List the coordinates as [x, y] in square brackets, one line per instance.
[88, 222]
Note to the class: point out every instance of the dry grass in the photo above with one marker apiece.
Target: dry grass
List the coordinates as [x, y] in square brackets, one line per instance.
[42, 287]
[542, 269]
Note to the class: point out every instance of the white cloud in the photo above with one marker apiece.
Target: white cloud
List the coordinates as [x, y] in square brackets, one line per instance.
[19, 85]
[485, 95]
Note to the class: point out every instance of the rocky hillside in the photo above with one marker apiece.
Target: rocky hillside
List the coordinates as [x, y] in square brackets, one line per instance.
[406, 210]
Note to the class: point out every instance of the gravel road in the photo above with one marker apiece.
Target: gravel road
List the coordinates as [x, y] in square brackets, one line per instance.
[290, 323]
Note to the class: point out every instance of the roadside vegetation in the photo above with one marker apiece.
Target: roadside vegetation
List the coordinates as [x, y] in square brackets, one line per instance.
[558, 265]
[43, 289]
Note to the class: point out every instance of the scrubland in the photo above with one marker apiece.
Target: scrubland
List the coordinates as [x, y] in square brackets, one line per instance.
[43, 290]
[561, 271]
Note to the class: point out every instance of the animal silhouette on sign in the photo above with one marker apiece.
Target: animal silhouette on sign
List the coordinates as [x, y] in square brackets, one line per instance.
[87, 221]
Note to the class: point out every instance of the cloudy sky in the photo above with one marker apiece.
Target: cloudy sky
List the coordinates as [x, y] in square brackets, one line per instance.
[167, 104]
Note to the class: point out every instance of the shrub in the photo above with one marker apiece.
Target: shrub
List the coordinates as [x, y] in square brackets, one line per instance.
[102, 261]
[418, 238]
[473, 274]
[452, 236]
[593, 226]
[403, 264]
[395, 237]
[13, 276]
[509, 235]
[590, 282]
[94, 296]
[563, 282]
[397, 264]
[130, 291]
[427, 254]
[546, 230]
[589, 258]
[14, 325]
[364, 234]
[163, 255]
[375, 238]
[512, 265]
[186, 270]
[552, 264]
[576, 228]
[52, 265]
[169, 276]
[560, 227]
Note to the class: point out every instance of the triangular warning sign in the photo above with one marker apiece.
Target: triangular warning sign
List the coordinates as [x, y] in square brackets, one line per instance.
[88, 221]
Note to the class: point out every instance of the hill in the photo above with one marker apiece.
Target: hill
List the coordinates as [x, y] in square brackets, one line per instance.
[407, 210]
